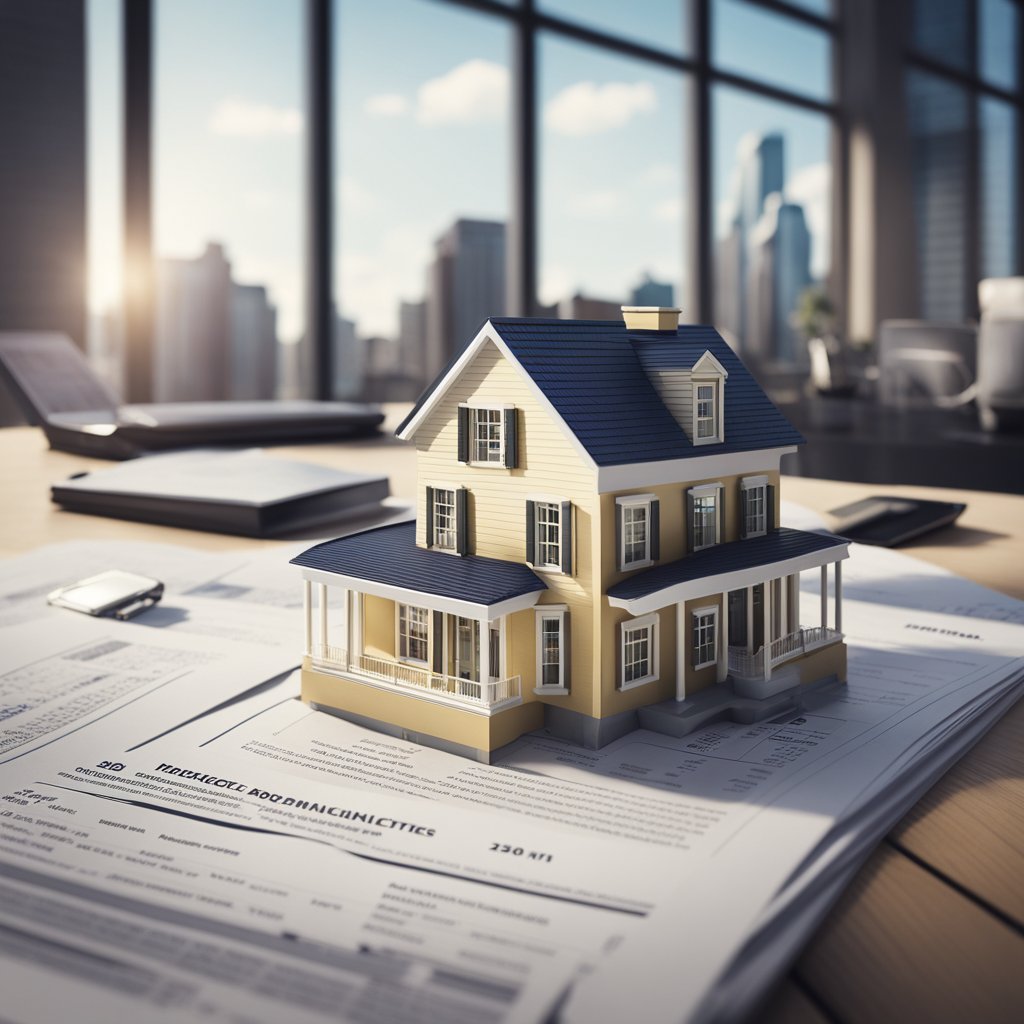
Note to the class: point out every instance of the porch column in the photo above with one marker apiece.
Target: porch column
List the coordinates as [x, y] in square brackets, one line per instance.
[322, 604]
[348, 627]
[681, 633]
[356, 629]
[767, 609]
[307, 607]
[783, 583]
[484, 655]
[824, 596]
[723, 640]
[839, 596]
[794, 601]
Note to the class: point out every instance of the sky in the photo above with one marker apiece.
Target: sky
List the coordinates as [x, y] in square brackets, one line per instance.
[423, 137]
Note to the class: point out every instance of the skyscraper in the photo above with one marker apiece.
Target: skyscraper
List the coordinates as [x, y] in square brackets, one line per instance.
[465, 286]
[652, 293]
[253, 358]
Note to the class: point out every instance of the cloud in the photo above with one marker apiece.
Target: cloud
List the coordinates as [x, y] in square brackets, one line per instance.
[355, 197]
[242, 119]
[668, 211]
[387, 104]
[589, 109]
[595, 204]
[472, 93]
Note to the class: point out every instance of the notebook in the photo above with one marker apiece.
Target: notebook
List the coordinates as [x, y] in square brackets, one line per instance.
[243, 492]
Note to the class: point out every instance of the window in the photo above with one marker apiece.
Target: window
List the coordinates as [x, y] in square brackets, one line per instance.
[413, 626]
[704, 516]
[705, 637]
[445, 532]
[551, 649]
[638, 530]
[754, 491]
[706, 412]
[639, 651]
[487, 436]
[548, 543]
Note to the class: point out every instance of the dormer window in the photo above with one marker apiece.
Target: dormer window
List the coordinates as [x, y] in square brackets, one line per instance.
[488, 436]
[707, 412]
[708, 381]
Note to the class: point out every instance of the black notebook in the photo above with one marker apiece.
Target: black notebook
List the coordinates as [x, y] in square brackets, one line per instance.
[243, 492]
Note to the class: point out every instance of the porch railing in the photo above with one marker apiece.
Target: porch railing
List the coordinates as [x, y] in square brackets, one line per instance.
[491, 693]
[751, 665]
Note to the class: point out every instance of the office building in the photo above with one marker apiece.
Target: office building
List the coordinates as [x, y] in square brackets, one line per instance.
[253, 359]
[652, 293]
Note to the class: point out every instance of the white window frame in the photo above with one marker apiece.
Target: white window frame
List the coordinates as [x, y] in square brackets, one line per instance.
[399, 636]
[701, 613]
[714, 382]
[433, 541]
[542, 613]
[540, 563]
[754, 483]
[706, 491]
[632, 501]
[649, 623]
[474, 410]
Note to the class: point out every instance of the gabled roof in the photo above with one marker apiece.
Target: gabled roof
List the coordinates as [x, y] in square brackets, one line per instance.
[388, 555]
[594, 375]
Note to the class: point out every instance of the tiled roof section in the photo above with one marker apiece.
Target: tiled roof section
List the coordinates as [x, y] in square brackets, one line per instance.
[775, 546]
[389, 555]
[595, 374]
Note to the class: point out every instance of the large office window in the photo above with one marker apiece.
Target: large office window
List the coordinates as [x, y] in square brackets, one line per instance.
[964, 110]
[422, 182]
[227, 199]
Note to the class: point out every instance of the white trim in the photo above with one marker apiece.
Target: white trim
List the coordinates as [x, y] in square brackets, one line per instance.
[717, 384]
[485, 334]
[698, 467]
[712, 610]
[716, 367]
[542, 612]
[634, 501]
[406, 659]
[715, 490]
[748, 482]
[431, 542]
[547, 567]
[454, 606]
[754, 483]
[703, 490]
[642, 622]
[499, 462]
[737, 579]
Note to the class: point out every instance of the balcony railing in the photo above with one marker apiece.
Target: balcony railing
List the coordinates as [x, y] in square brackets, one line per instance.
[751, 666]
[489, 694]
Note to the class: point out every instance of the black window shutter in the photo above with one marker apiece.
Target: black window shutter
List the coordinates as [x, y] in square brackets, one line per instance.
[462, 520]
[618, 533]
[720, 509]
[511, 438]
[745, 496]
[430, 517]
[566, 651]
[655, 527]
[769, 506]
[689, 521]
[438, 652]
[463, 434]
[531, 533]
[567, 537]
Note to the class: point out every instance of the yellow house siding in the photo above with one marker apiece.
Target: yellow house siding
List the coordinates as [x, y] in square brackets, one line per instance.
[550, 467]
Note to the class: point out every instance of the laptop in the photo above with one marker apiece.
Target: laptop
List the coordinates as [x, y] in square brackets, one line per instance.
[58, 390]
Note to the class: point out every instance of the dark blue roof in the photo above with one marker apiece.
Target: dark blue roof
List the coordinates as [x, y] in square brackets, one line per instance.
[389, 555]
[774, 546]
[595, 374]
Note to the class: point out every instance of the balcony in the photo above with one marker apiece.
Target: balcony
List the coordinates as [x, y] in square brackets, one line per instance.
[745, 665]
[489, 696]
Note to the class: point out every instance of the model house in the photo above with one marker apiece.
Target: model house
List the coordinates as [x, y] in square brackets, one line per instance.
[596, 546]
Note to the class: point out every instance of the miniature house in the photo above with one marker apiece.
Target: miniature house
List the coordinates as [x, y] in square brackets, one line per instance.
[596, 546]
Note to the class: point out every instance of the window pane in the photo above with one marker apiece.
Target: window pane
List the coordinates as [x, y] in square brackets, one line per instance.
[105, 219]
[939, 146]
[999, 42]
[656, 23]
[422, 108]
[1000, 181]
[612, 219]
[773, 230]
[941, 30]
[228, 196]
[824, 8]
[761, 44]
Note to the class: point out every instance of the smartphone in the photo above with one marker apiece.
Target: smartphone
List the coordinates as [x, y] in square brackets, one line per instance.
[888, 521]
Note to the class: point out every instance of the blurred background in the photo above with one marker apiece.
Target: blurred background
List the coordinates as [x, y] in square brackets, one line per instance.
[225, 199]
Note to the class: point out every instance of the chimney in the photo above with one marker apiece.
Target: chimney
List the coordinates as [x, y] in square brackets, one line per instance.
[651, 318]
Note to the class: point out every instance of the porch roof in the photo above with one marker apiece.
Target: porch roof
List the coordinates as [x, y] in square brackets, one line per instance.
[738, 563]
[388, 562]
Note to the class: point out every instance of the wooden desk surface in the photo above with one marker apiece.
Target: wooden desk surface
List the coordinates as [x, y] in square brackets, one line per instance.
[932, 928]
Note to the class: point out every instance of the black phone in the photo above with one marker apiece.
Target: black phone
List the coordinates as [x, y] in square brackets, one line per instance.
[888, 521]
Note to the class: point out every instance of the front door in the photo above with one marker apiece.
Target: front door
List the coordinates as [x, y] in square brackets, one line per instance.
[757, 614]
[467, 665]
[494, 651]
[738, 618]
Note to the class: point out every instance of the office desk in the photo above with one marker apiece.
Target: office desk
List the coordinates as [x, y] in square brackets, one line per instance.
[932, 928]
